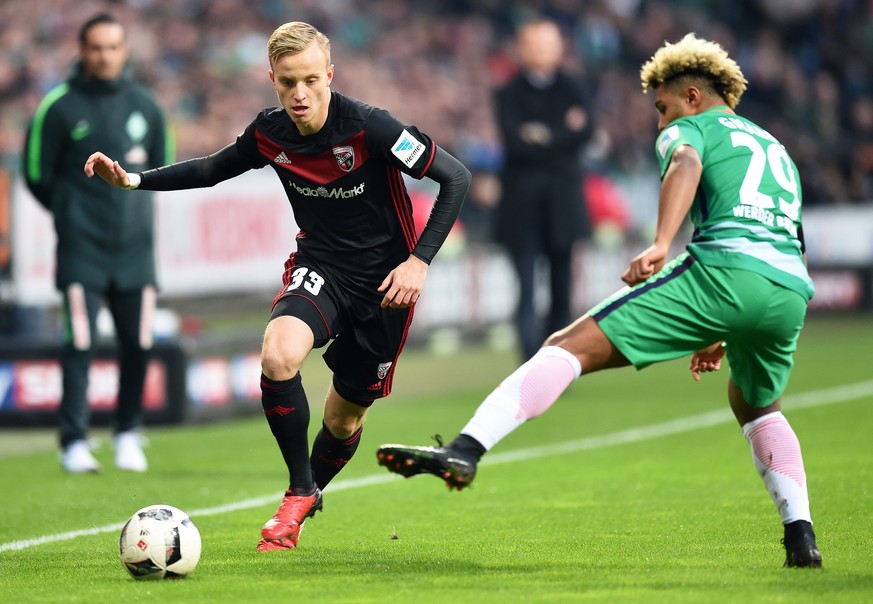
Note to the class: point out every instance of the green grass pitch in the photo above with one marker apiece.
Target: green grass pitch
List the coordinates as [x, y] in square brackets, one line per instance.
[634, 487]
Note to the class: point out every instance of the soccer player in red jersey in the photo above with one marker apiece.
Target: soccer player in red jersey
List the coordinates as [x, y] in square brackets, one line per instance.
[358, 269]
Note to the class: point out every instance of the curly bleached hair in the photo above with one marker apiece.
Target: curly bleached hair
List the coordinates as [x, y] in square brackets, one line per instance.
[295, 37]
[698, 59]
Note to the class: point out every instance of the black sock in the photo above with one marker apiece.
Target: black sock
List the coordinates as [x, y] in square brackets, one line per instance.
[330, 454]
[287, 412]
[467, 447]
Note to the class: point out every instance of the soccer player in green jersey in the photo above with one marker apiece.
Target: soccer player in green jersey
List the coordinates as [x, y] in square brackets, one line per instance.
[740, 289]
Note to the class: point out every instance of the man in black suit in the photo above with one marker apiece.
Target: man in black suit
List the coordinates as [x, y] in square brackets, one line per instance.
[544, 122]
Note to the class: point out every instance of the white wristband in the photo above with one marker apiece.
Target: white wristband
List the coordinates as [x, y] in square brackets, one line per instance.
[135, 180]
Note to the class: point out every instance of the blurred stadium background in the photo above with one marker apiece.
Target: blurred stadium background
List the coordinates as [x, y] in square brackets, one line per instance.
[434, 64]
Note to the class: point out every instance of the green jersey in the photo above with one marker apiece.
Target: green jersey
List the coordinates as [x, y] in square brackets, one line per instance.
[105, 234]
[746, 212]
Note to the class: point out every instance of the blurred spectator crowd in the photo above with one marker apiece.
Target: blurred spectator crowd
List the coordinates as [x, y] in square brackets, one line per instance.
[435, 64]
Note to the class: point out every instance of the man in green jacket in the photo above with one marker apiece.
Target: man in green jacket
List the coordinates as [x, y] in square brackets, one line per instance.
[105, 248]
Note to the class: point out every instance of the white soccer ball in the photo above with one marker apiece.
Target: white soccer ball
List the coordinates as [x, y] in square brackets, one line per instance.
[159, 542]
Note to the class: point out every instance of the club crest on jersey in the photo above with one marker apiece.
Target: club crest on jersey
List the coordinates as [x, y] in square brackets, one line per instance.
[382, 370]
[345, 158]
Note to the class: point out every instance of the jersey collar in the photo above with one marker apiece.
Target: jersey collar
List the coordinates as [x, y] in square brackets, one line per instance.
[721, 109]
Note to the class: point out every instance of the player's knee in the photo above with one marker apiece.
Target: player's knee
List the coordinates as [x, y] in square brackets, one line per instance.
[554, 340]
[342, 427]
[565, 340]
[586, 341]
[568, 337]
[287, 341]
[280, 362]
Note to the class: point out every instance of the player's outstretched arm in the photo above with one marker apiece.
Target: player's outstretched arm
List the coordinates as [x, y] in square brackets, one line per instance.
[189, 174]
[107, 169]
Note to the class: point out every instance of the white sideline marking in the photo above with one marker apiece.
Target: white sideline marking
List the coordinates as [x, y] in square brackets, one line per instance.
[814, 398]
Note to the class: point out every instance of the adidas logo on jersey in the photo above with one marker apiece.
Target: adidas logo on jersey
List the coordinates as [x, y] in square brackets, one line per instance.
[282, 158]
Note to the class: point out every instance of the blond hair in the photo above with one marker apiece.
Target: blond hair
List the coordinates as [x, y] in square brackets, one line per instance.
[294, 37]
[699, 60]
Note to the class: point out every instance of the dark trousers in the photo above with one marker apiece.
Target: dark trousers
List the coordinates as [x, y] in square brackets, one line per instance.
[79, 313]
[531, 328]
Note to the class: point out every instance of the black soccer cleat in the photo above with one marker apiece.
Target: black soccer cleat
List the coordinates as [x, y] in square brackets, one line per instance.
[800, 548]
[442, 462]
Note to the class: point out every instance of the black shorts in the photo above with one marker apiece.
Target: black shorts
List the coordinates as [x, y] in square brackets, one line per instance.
[367, 338]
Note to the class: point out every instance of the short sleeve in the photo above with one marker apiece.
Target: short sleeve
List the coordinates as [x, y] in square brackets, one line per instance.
[680, 132]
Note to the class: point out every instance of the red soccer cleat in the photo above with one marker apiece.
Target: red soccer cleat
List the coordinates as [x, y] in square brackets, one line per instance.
[282, 531]
[269, 545]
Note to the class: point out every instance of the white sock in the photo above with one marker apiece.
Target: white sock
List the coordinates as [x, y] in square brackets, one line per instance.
[776, 453]
[527, 393]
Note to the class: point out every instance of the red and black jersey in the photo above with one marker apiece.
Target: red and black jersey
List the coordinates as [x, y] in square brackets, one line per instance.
[345, 183]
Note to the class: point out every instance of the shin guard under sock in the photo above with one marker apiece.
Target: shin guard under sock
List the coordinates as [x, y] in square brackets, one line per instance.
[330, 454]
[776, 453]
[527, 393]
[287, 412]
